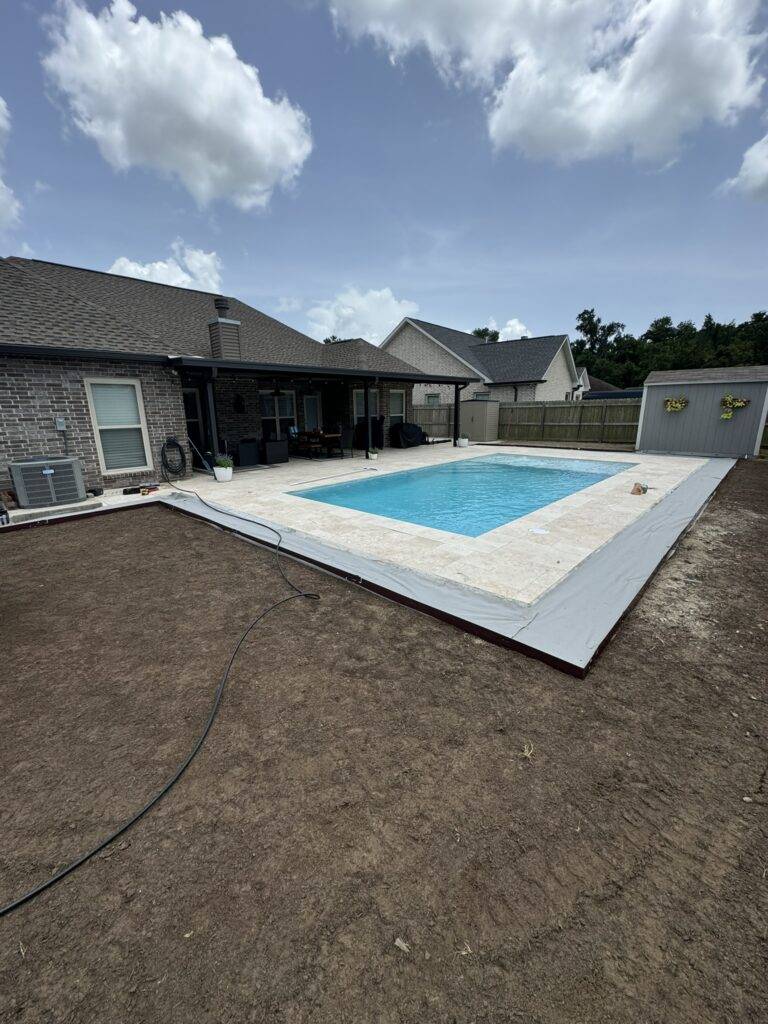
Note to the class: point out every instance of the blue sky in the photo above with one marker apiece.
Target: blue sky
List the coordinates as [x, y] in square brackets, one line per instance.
[404, 188]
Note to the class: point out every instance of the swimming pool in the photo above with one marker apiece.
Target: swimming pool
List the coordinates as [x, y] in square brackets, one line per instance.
[471, 496]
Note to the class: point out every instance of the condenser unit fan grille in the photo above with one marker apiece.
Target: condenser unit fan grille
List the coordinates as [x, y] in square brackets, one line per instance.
[41, 481]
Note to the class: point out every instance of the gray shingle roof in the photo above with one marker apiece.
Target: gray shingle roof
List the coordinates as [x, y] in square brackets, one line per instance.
[598, 384]
[359, 354]
[503, 362]
[49, 304]
[709, 375]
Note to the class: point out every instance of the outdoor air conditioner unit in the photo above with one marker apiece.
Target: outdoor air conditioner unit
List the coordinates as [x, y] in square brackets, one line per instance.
[40, 481]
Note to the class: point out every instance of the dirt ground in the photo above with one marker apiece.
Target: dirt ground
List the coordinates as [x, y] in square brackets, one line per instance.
[366, 782]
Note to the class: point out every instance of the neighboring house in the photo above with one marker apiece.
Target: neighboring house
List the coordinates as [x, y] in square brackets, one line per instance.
[525, 370]
[595, 389]
[583, 379]
[106, 368]
[596, 384]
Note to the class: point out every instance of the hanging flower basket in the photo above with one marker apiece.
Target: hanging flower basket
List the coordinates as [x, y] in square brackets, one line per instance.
[730, 405]
[675, 404]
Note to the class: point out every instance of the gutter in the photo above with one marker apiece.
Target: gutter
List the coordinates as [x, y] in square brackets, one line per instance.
[282, 370]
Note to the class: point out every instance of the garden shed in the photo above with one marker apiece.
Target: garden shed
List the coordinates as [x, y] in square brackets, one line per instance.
[714, 411]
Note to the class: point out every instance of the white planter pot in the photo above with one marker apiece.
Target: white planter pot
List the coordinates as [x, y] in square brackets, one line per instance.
[463, 442]
[373, 455]
[222, 473]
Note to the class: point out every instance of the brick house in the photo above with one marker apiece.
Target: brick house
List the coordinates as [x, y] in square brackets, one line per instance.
[106, 368]
[524, 370]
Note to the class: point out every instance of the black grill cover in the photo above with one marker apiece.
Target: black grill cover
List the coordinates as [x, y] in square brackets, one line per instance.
[407, 435]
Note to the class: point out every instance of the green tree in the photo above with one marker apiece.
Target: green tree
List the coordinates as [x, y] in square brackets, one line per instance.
[613, 355]
[486, 333]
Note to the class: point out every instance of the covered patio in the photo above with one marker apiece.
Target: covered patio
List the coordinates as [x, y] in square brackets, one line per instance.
[266, 413]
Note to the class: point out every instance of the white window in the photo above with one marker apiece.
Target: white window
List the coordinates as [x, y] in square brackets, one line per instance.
[396, 407]
[482, 396]
[432, 399]
[373, 404]
[117, 413]
[278, 413]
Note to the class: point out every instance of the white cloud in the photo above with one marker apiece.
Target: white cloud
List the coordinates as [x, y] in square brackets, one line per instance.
[10, 207]
[355, 314]
[186, 268]
[752, 178]
[511, 330]
[288, 304]
[162, 95]
[574, 80]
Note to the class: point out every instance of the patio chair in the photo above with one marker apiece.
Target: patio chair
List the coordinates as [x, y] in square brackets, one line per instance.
[344, 442]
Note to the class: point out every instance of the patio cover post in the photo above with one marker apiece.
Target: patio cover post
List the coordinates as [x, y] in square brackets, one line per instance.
[456, 414]
[367, 414]
[210, 402]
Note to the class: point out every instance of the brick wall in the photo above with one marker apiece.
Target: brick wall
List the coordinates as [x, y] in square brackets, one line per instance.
[34, 391]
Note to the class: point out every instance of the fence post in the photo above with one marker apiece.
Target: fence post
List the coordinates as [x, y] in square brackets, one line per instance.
[602, 423]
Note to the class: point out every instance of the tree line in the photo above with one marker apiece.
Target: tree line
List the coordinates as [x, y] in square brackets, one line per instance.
[613, 355]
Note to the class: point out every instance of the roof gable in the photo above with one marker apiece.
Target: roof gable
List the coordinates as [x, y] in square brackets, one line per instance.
[500, 362]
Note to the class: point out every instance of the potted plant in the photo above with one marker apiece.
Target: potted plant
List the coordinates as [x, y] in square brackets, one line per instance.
[373, 453]
[222, 468]
[463, 441]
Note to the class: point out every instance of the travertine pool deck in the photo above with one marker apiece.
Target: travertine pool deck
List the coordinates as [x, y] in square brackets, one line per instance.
[553, 583]
[518, 561]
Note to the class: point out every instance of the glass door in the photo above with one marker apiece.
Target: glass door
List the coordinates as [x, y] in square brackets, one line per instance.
[313, 418]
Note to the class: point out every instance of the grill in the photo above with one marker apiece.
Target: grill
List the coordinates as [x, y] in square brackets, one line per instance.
[40, 481]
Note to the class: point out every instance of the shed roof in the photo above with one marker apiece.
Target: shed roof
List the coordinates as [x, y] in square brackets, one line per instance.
[709, 375]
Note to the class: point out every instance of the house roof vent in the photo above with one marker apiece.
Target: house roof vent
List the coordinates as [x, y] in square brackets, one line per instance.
[224, 332]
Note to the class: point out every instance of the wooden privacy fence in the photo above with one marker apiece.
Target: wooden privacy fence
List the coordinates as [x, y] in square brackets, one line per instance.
[601, 422]
[434, 420]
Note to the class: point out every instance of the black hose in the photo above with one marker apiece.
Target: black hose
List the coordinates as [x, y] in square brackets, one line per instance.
[49, 882]
[174, 445]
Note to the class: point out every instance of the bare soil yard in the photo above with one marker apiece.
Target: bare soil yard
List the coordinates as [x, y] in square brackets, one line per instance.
[546, 850]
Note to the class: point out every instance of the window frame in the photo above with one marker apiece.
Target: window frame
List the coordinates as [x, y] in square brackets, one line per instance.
[432, 394]
[142, 425]
[397, 391]
[276, 417]
[361, 392]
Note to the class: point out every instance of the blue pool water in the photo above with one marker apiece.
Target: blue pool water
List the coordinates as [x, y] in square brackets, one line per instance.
[469, 497]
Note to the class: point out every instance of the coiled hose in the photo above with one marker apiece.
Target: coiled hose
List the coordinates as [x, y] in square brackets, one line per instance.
[174, 462]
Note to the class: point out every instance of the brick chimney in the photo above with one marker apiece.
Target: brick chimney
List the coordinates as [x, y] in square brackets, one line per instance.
[224, 332]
